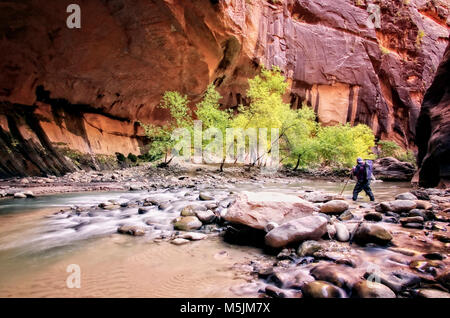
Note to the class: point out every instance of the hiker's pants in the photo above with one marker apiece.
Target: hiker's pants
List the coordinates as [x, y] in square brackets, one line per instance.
[363, 185]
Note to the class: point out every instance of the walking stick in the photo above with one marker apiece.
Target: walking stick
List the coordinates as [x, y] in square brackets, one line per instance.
[345, 185]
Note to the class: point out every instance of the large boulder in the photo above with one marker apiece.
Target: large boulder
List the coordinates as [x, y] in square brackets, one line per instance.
[392, 169]
[256, 210]
[398, 206]
[306, 228]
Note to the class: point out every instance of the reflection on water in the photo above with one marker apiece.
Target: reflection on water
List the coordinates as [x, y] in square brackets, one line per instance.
[36, 246]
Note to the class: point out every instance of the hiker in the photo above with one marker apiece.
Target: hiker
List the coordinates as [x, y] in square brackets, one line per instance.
[363, 173]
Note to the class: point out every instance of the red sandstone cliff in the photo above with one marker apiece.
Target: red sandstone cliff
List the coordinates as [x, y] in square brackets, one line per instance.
[86, 88]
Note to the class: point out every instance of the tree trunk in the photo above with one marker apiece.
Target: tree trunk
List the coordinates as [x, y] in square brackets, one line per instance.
[298, 163]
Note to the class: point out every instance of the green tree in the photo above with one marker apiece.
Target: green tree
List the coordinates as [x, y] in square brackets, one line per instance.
[161, 139]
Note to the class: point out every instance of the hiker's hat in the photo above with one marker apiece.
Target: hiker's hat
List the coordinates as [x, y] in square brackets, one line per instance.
[359, 160]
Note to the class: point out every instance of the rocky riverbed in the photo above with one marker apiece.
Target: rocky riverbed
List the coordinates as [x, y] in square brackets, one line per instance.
[313, 243]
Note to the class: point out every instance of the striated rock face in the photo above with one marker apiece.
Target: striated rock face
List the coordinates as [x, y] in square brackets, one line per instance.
[433, 130]
[86, 88]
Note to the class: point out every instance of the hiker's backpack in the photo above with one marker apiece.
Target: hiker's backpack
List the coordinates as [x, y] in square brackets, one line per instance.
[369, 168]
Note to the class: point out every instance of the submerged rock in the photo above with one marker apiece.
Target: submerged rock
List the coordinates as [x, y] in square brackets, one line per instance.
[179, 241]
[131, 230]
[206, 217]
[308, 248]
[432, 293]
[306, 228]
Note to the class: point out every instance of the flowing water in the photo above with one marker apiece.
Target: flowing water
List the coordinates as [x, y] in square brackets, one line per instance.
[37, 245]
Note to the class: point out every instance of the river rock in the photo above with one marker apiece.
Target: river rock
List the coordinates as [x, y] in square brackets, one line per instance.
[257, 210]
[291, 278]
[425, 205]
[334, 207]
[203, 196]
[342, 233]
[367, 289]
[340, 275]
[131, 230]
[346, 216]
[193, 236]
[308, 248]
[398, 206]
[179, 241]
[372, 233]
[322, 289]
[306, 228]
[392, 169]
[406, 196]
[270, 226]
[444, 279]
[318, 197]
[143, 210]
[432, 293]
[29, 194]
[19, 195]
[187, 211]
[397, 280]
[373, 216]
[206, 217]
[188, 223]
[411, 219]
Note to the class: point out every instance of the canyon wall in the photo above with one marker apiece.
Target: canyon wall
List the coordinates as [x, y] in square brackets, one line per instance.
[433, 130]
[86, 89]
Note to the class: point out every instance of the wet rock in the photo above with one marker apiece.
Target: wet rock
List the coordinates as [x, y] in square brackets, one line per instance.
[187, 211]
[346, 216]
[412, 219]
[188, 223]
[291, 278]
[29, 194]
[421, 194]
[444, 279]
[406, 196]
[342, 233]
[308, 248]
[179, 241]
[286, 254]
[331, 231]
[206, 216]
[372, 233]
[337, 274]
[373, 216]
[367, 289]
[322, 289]
[306, 228]
[395, 280]
[442, 237]
[276, 292]
[203, 196]
[164, 205]
[334, 207]
[143, 210]
[399, 206]
[425, 205]
[131, 230]
[417, 226]
[19, 195]
[432, 293]
[428, 267]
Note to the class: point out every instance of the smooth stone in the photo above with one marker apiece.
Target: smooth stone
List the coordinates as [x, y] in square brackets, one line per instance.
[322, 289]
[19, 195]
[444, 279]
[143, 210]
[411, 219]
[291, 278]
[406, 196]
[179, 241]
[317, 197]
[367, 289]
[342, 233]
[424, 205]
[334, 206]
[187, 223]
[397, 280]
[372, 233]
[340, 275]
[193, 236]
[206, 216]
[205, 196]
[418, 226]
[187, 211]
[346, 216]
[164, 205]
[308, 248]
[402, 205]
[302, 229]
[29, 194]
[131, 230]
